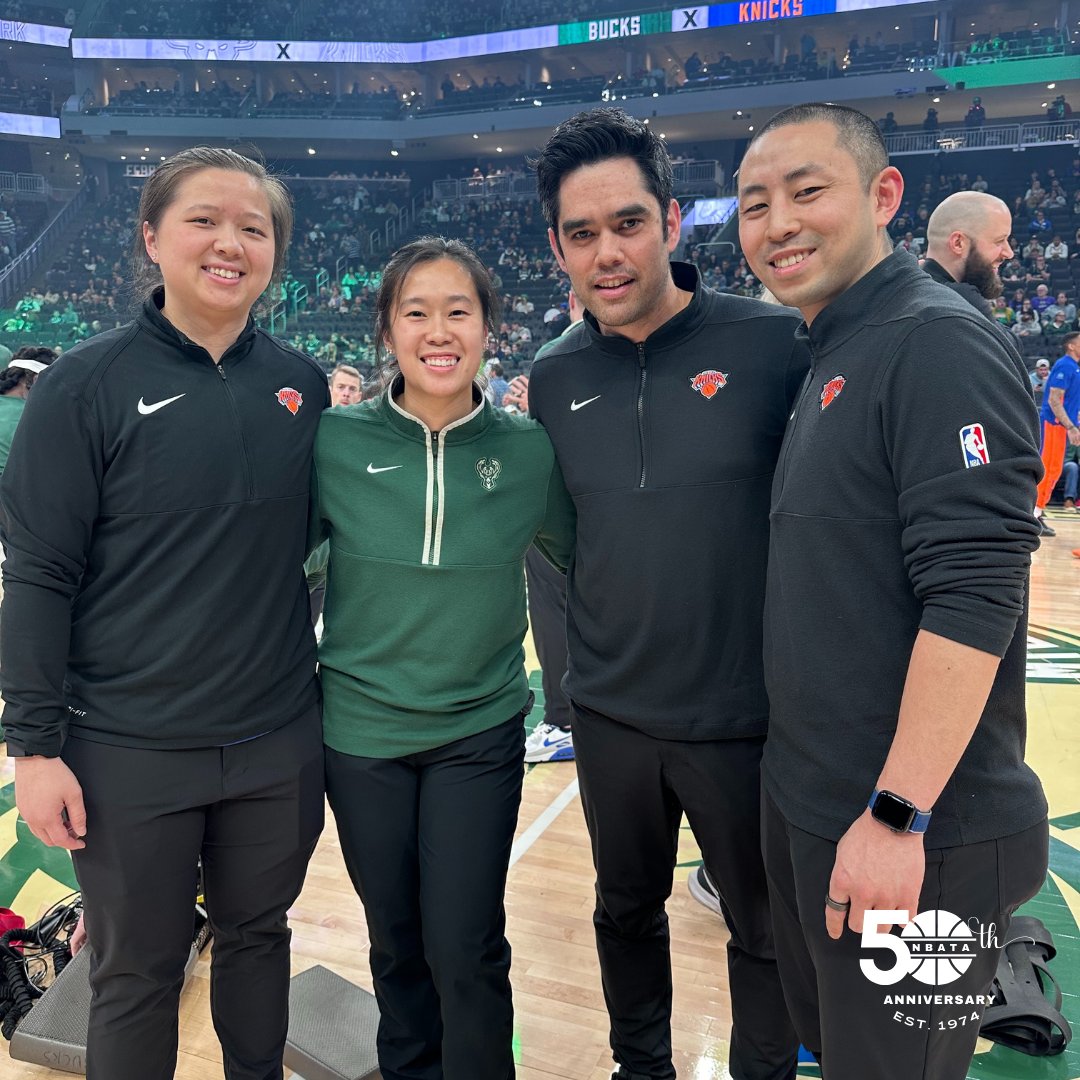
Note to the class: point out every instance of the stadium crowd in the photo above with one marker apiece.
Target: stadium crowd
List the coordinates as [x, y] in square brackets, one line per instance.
[328, 291]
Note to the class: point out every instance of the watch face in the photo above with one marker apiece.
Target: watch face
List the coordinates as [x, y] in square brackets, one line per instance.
[891, 810]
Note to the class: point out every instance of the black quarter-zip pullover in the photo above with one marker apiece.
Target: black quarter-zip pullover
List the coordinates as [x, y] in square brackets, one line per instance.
[668, 448]
[156, 512]
[903, 502]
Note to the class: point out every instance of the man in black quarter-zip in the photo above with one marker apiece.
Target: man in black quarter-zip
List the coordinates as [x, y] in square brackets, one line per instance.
[666, 412]
[895, 789]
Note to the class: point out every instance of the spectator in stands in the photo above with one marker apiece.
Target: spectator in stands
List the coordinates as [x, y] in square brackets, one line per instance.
[1041, 300]
[980, 184]
[968, 239]
[1012, 273]
[1059, 109]
[888, 125]
[9, 247]
[1062, 303]
[212, 490]
[1002, 313]
[976, 114]
[346, 385]
[17, 378]
[1035, 194]
[1057, 325]
[1039, 377]
[1057, 248]
[497, 384]
[1038, 274]
[1055, 197]
[1039, 225]
[1027, 325]
[930, 123]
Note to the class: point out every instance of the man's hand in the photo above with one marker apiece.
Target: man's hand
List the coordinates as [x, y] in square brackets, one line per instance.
[1074, 435]
[874, 869]
[78, 937]
[517, 393]
[51, 802]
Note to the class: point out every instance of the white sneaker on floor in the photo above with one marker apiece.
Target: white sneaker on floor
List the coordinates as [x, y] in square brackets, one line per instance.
[549, 743]
[703, 890]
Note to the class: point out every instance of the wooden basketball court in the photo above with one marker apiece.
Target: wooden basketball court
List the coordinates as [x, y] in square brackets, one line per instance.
[561, 1023]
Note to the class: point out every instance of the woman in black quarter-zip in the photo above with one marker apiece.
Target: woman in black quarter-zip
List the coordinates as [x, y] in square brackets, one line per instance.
[157, 655]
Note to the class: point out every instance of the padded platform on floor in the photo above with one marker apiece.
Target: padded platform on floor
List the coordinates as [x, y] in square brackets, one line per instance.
[332, 1028]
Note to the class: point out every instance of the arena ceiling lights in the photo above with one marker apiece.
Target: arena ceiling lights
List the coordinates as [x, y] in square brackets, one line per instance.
[682, 19]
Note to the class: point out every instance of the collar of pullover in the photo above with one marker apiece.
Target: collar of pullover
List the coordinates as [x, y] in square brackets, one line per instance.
[152, 319]
[673, 332]
[847, 314]
[412, 427]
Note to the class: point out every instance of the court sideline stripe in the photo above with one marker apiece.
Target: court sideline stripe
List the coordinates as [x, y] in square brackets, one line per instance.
[543, 820]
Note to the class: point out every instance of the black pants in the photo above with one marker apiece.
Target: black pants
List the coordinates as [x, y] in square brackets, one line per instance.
[426, 839]
[635, 789]
[547, 617]
[253, 811]
[840, 1014]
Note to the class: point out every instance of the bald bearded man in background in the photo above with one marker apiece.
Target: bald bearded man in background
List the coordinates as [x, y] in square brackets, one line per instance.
[967, 239]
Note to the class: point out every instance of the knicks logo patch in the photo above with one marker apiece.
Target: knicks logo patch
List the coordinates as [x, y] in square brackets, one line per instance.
[290, 398]
[706, 383]
[831, 391]
[973, 446]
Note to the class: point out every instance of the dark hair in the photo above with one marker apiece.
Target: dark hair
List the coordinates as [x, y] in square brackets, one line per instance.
[13, 375]
[402, 263]
[597, 135]
[1068, 339]
[855, 132]
[160, 190]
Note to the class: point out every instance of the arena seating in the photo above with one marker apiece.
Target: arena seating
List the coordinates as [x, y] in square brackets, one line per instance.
[329, 289]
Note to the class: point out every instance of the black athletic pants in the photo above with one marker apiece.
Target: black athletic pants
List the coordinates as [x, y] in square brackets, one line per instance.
[840, 1014]
[635, 789]
[547, 617]
[253, 811]
[426, 839]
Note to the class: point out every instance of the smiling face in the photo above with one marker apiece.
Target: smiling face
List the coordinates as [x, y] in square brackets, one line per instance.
[214, 244]
[615, 241]
[437, 333]
[808, 225]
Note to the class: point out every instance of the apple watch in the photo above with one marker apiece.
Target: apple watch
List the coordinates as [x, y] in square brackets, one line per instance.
[897, 813]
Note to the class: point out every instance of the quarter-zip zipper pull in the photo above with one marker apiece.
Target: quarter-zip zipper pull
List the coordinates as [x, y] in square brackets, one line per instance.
[435, 445]
[641, 409]
[221, 370]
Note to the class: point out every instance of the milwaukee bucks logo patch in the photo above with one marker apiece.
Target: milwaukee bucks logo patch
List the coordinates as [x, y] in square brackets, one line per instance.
[488, 469]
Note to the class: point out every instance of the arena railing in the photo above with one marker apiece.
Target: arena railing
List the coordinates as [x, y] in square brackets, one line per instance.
[989, 137]
[17, 273]
[24, 183]
[519, 185]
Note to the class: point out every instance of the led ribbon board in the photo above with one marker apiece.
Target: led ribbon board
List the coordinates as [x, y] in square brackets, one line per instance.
[505, 41]
[34, 33]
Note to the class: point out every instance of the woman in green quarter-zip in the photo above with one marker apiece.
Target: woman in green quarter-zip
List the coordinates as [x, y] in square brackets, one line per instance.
[430, 499]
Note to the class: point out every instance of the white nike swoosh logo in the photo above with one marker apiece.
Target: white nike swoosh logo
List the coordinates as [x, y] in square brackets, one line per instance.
[146, 410]
[575, 405]
[386, 468]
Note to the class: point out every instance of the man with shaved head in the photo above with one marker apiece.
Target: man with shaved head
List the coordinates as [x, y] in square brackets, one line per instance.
[967, 240]
[900, 541]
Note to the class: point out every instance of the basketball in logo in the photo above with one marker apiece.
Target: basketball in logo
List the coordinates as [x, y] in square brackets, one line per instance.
[941, 945]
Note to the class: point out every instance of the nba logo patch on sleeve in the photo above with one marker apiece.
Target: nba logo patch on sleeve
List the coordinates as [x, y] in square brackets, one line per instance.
[973, 446]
